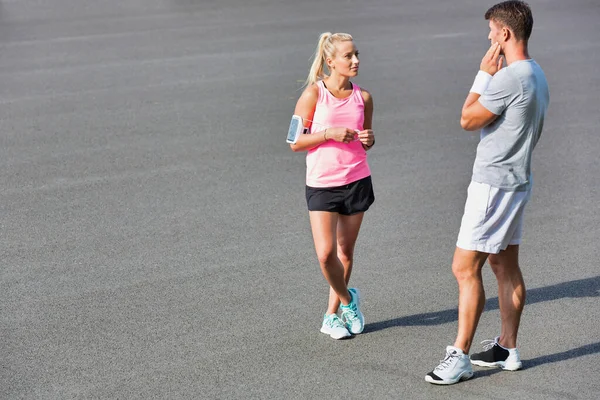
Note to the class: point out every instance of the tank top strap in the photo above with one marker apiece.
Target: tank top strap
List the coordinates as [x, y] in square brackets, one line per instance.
[357, 93]
[322, 89]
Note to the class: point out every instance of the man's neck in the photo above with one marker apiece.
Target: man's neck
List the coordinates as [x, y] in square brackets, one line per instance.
[517, 52]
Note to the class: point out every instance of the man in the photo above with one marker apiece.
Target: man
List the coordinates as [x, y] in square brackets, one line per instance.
[508, 105]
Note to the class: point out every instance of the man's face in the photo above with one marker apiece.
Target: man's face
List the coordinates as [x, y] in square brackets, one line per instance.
[497, 35]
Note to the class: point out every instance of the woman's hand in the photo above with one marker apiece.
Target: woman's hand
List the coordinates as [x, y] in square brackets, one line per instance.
[342, 135]
[366, 137]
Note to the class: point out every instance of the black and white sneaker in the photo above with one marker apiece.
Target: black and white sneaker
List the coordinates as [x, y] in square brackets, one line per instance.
[455, 367]
[494, 355]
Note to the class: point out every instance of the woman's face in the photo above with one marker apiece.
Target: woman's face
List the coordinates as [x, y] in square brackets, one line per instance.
[345, 62]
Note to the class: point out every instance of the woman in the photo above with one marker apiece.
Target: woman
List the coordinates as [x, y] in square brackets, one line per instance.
[339, 115]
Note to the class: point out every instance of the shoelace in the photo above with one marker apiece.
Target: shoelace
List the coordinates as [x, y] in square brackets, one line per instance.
[334, 322]
[350, 313]
[488, 344]
[446, 362]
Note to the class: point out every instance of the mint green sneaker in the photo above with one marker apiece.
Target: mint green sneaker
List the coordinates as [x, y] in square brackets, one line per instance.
[351, 315]
[334, 327]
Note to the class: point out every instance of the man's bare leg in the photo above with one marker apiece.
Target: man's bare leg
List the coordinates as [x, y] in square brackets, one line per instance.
[511, 293]
[466, 266]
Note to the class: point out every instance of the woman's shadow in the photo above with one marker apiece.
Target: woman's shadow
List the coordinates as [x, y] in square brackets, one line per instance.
[589, 287]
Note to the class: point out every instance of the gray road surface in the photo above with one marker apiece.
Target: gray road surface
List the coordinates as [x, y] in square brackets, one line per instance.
[155, 240]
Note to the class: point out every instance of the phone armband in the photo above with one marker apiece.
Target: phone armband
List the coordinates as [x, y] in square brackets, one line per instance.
[295, 130]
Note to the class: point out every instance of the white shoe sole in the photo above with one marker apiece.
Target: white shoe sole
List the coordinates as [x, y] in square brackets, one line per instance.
[510, 366]
[336, 336]
[462, 377]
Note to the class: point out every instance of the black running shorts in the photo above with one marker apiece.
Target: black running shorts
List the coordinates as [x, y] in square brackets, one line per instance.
[353, 198]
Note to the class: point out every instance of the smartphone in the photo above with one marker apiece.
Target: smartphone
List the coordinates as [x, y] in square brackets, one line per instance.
[295, 129]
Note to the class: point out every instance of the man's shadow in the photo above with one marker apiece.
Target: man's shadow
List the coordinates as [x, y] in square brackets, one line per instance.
[551, 358]
[589, 287]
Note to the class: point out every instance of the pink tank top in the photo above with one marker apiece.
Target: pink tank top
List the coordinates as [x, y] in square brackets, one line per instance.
[332, 163]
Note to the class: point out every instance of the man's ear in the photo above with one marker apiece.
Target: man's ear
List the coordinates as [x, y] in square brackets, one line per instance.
[506, 34]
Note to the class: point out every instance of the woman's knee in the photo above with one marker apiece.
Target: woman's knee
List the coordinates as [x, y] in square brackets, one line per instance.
[326, 256]
[345, 255]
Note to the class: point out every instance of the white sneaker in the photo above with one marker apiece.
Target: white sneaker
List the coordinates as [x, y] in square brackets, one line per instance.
[334, 327]
[455, 367]
[351, 314]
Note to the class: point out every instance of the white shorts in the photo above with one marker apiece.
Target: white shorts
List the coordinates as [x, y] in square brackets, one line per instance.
[493, 218]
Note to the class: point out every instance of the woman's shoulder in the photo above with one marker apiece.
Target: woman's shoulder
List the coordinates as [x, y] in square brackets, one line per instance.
[313, 88]
[366, 95]
[309, 97]
[311, 92]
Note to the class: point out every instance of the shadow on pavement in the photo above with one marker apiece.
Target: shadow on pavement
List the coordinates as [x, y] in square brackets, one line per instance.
[565, 355]
[589, 287]
[551, 358]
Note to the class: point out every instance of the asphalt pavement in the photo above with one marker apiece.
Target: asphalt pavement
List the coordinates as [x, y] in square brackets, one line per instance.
[154, 235]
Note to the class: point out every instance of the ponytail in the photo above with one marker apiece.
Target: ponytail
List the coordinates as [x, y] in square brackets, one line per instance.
[325, 48]
[316, 70]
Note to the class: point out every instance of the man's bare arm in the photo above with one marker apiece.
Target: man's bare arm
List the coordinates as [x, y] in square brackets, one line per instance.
[474, 116]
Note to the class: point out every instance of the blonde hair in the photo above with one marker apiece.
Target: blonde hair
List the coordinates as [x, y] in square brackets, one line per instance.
[325, 48]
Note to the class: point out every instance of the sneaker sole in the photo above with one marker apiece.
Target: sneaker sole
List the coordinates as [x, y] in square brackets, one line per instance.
[462, 377]
[334, 336]
[499, 364]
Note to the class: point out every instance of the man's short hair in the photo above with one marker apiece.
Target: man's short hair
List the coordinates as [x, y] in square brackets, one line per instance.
[516, 15]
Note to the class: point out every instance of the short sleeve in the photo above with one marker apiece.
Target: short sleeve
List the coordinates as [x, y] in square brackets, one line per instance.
[503, 89]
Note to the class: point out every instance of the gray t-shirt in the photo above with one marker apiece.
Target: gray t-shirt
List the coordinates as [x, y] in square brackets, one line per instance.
[518, 94]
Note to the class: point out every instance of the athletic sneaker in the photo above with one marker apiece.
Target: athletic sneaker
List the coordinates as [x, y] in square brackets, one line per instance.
[455, 367]
[351, 315]
[334, 327]
[494, 355]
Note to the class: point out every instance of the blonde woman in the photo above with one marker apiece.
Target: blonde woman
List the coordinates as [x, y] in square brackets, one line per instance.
[338, 115]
